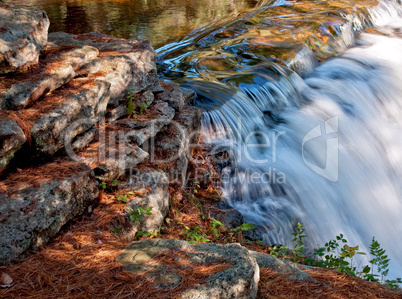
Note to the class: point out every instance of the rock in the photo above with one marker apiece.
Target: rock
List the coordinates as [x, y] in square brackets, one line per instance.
[153, 186]
[112, 155]
[35, 203]
[141, 130]
[55, 69]
[173, 146]
[141, 102]
[253, 234]
[11, 139]
[167, 262]
[188, 95]
[282, 267]
[23, 33]
[224, 213]
[172, 94]
[66, 113]
[116, 113]
[5, 280]
[128, 65]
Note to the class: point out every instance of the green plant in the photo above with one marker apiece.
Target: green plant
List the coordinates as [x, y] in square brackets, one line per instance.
[149, 234]
[279, 251]
[122, 199]
[195, 236]
[243, 227]
[135, 215]
[117, 230]
[298, 249]
[144, 106]
[196, 186]
[130, 103]
[380, 260]
[339, 255]
[102, 185]
[216, 226]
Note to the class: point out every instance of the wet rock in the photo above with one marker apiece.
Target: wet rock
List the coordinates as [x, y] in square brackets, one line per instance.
[188, 94]
[11, 139]
[282, 267]
[23, 33]
[128, 65]
[253, 234]
[153, 186]
[66, 113]
[224, 213]
[237, 278]
[172, 94]
[173, 146]
[55, 70]
[35, 203]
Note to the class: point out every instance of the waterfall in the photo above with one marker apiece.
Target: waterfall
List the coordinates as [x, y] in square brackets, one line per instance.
[322, 147]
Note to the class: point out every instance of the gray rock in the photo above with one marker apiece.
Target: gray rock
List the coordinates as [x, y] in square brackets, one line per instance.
[128, 65]
[253, 234]
[112, 157]
[238, 280]
[23, 34]
[116, 113]
[11, 139]
[188, 95]
[154, 187]
[224, 213]
[36, 203]
[55, 71]
[282, 267]
[173, 145]
[139, 131]
[66, 113]
[172, 94]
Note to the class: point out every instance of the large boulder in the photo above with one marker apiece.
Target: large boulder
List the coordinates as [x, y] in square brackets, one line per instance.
[172, 94]
[128, 65]
[23, 33]
[60, 116]
[11, 139]
[140, 130]
[151, 192]
[35, 203]
[57, 67]
[112, 155]
[290, 270]
[228, 271]
[173, 145]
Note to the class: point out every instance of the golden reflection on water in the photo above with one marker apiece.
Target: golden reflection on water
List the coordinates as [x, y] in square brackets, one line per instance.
[160, 21]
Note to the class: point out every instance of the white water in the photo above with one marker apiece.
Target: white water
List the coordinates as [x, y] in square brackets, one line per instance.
[356, 98]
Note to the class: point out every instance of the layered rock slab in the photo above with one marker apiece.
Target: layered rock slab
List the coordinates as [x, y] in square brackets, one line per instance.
[23, 33]
[35, 203]
[59, 117]
[167, 262]
[128, 65]
[173, 145]
[57, 67]
[11, 139]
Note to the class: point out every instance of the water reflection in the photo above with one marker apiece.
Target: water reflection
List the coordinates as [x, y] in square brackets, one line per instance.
[160, 21]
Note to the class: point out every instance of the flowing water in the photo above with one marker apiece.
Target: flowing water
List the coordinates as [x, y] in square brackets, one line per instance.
[310, 138]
